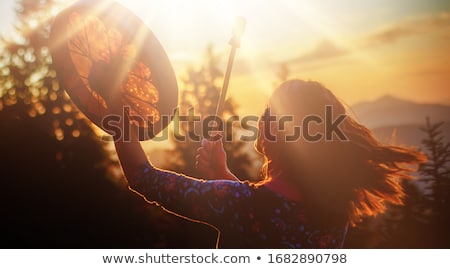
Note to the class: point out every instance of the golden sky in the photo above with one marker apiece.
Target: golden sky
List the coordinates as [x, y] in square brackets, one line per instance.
[361, 50]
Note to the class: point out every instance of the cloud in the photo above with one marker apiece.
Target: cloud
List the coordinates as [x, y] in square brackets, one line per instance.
[328, 50]
[325, 49]
[411, 27]
[429, 72]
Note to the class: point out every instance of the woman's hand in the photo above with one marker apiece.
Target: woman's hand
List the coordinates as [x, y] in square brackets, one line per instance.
[211, 160]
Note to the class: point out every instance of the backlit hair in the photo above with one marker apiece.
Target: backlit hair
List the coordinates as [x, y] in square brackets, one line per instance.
[340, 180]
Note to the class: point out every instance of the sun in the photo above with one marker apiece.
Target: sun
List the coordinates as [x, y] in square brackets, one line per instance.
[185, 15]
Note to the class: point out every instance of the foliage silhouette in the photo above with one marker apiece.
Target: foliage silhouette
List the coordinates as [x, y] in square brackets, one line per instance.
[59, 188]
[436, 176]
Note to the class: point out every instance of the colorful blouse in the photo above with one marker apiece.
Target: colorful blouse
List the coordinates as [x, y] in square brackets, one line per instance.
[246, 215]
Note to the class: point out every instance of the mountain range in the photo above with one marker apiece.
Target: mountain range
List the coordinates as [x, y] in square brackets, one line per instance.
[398, 121]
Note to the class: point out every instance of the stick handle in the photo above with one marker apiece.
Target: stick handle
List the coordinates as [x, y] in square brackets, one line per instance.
[235, 42]
[226, 81]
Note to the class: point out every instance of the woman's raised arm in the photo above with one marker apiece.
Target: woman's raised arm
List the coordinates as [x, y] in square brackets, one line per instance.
[129, 150]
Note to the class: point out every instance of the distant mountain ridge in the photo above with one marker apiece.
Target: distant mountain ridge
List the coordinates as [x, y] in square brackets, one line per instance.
[393, 111]
[398, 121]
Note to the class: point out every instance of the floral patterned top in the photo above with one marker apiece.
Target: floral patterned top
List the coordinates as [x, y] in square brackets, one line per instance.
[247, 216]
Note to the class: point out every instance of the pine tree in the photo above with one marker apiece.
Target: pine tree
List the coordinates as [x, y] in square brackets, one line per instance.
[437, 170]
[436, 176]
[56, 187]
[28, 84]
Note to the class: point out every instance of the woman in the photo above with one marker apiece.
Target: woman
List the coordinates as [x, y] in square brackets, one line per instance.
[314, 184]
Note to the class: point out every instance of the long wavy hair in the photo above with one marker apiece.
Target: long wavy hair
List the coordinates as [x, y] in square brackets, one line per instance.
[340, 178]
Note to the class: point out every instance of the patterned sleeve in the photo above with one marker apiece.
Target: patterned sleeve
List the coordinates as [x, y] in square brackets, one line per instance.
[211, 201]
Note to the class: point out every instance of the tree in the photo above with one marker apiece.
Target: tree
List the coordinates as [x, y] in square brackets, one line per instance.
[28, 84]
[437, 170]
[57, 189]
[436, 174]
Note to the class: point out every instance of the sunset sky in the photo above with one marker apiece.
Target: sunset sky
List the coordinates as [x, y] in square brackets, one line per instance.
[361, 50]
